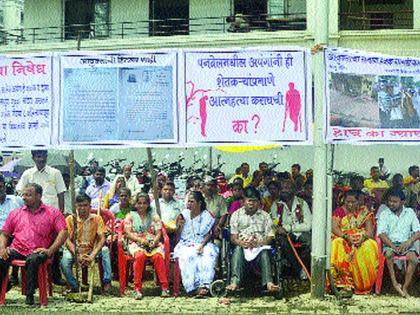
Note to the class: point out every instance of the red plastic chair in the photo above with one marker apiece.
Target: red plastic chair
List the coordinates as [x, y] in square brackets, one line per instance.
[124, 259]
[177, 278]
[109, 221]
[378, 285]
[44, 281]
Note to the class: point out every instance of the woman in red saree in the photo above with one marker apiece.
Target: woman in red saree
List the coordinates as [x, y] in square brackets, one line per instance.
[354, 252]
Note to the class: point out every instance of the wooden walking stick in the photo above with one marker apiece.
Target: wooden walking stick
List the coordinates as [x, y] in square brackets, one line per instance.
[154, 181]
[98, 212]
[75, 216]
[91, 281]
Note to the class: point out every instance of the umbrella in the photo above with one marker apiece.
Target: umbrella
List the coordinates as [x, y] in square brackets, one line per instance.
[7, 169]
[56, 160]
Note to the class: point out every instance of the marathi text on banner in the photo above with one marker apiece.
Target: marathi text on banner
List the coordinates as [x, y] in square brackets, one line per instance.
[26, 101]
[372, 97]
[119, 97]
[249, 95]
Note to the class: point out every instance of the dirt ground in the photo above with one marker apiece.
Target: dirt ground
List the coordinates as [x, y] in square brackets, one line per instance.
[296, 301]
[353, 111]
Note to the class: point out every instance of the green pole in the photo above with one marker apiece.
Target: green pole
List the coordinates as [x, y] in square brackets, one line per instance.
[319, 223]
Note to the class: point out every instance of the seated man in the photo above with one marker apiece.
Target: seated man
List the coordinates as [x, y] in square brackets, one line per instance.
[216, 205]
[398, 229]
[169, 210]
[90, 240]
[292, 217]
[374, 182]
[38, 231]
[169, 206]
[251, 233]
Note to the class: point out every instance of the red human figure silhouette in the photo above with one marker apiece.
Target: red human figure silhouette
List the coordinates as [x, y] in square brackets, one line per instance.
[203, 113]
[293, 106]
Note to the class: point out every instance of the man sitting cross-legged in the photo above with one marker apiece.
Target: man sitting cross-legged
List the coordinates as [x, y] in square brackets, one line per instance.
[398, 229]
[251, 233]
[90, 240]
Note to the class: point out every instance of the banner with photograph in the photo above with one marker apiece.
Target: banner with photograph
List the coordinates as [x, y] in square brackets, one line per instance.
[118, 97]
[26, 101]
[247, 96]
[371, 97]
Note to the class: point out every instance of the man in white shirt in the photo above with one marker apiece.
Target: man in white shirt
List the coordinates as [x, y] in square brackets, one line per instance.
[169, 210]
[131, 181]
[398, 229]
[169, 207]
[383, 170]
[293, 217]
[49, 178]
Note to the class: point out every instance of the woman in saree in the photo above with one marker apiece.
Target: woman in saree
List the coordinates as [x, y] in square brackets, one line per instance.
[113, 195]
[143, 231]
[354, 252]
[196, 254]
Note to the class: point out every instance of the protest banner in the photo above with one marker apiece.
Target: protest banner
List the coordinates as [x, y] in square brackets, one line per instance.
[118, 97]
[247, 96]
[371, 97]
[26, 101]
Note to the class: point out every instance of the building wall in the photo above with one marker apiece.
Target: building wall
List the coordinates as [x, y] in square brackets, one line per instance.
[43, 13]
[11, 14]
[135, 11]
[208, 16]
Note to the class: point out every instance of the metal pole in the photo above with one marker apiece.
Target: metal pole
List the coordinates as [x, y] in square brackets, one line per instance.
[328, 230]
[319, 218]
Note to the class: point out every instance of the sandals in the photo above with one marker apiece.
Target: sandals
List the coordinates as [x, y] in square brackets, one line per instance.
[271, 287]
[138, 295]
[232, 287]
[202, 293]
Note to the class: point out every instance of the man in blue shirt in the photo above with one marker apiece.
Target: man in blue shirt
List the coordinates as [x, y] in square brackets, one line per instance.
[398, 229]
[98, 188]
[7, 204]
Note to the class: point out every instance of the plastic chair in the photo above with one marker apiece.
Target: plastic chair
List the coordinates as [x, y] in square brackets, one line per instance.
[124, 259]
[44, 281]
[378, 285]
[110, 223]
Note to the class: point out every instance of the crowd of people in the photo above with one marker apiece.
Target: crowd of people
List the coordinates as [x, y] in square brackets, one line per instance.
[375, 215]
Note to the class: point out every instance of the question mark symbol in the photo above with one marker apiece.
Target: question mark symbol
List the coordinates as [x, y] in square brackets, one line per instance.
[257, 121]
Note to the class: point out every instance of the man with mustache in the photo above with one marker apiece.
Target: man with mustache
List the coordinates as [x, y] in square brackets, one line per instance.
[293, 217]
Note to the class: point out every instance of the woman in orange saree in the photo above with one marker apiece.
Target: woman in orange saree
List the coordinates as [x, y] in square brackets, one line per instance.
[354, 252]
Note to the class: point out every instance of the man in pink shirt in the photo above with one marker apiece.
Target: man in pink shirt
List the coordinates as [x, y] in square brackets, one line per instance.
[38, 231]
